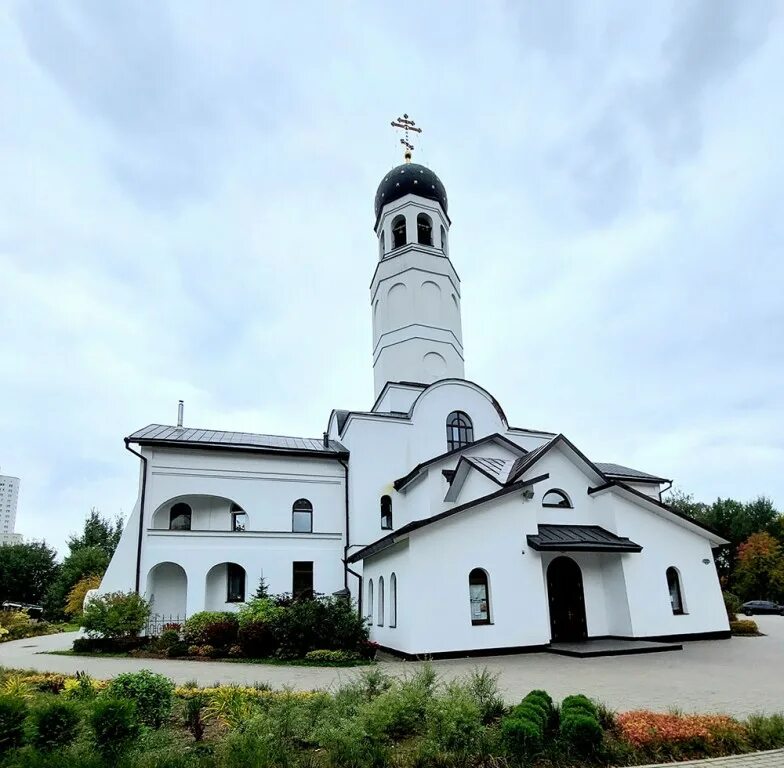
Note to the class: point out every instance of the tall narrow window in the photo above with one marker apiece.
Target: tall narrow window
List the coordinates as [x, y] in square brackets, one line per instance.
[386, 513]
[235, 583]
[424, 229]
[370, 599]
[393, 600]
[302, 580]
[459, 430]
[676, 594]
[381, 246]
[479, 592]
[443, 240]
[302, 516]
[380, 601]
[180, 517]
[239, 520]
[398, 231]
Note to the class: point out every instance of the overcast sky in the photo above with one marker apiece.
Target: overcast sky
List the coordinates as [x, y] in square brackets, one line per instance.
[186, 211]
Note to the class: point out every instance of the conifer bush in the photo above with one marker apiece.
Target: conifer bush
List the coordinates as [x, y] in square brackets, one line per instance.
[114, 724]
[54, 724]
[13, 712]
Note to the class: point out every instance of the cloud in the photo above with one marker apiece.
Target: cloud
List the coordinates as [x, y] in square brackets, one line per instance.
[186, 211]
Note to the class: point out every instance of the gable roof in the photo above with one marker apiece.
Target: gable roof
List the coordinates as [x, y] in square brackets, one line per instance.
[402, 482]
[632, 494]
[524, 463]
[618, 471]
[392, 538]
[165, 435]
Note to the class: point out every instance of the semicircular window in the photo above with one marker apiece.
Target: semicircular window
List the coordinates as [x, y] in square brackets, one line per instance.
[556, 498]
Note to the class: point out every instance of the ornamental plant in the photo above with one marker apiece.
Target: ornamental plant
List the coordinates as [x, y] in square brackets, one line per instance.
[579, 728]
[655, 729]
[13, 711]
[522, 731]
[54, 724]
[116, 615]
[198, 627]
[151, 693]
[115, 725]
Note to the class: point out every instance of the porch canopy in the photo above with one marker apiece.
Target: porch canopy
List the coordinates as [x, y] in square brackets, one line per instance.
[579, 538]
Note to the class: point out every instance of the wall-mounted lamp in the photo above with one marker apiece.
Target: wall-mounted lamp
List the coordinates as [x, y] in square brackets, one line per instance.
[706, 561]
[528, 494]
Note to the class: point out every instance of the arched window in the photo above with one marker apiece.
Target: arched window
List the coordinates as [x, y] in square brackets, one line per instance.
[180, 517]
[398, 232]
[479, 593]
[443, 240]
[380, 601]
[239, 520]
[386, 513]
[370, 599]
[382, 245]
[556, 498]
[459, 430]
[424, 229]
[393, 600]
[302, 516]
[676, 593]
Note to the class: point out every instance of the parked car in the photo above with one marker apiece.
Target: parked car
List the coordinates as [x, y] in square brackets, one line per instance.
[761, 606]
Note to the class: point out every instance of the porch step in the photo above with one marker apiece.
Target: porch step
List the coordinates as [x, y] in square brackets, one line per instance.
[611, 647]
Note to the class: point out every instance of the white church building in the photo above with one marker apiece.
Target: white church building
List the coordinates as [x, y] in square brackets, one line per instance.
[454, 532]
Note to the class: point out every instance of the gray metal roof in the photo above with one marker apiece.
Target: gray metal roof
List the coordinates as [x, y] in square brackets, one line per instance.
[618, 470]
[498, 468]
[213, 438]
[579, 538]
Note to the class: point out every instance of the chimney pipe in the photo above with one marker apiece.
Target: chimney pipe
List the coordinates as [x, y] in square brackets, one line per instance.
[326, 439]
[180, 409]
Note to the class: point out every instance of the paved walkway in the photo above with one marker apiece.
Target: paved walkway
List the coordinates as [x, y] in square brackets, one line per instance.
[737, 676]
[772, 759]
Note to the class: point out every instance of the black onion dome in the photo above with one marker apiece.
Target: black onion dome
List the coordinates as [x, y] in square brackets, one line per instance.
[410, 178]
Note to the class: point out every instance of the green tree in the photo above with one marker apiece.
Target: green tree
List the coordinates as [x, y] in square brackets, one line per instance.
[26, 571]
[100, 532]
[760, 571]
[731, 519]
[89, 555]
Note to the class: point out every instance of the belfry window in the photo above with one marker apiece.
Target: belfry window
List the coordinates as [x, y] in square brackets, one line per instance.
[398, 231]
[443, 240]
[381, 245]
[386, 513]
[302, 516]
[676, 594]
[424, 229]
[180, 517]
[459, 430]
[479, 594]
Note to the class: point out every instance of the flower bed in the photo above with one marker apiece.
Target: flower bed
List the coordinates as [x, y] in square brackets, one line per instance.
[140, 720]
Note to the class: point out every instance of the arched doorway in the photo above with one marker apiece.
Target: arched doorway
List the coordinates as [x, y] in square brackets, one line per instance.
[567, 601]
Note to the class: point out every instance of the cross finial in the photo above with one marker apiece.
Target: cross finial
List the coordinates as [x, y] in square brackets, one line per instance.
[407, 125]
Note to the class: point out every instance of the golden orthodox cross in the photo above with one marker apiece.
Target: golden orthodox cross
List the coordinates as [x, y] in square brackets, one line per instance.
[407, 125]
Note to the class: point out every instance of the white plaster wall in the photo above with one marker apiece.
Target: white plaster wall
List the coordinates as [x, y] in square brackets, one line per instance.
[668, 544]
[437, 615]
[394, 560]
[167, 589]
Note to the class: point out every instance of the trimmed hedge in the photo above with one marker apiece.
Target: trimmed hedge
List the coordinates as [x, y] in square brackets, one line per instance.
[205, 626]
[523, 730]
[580, 729]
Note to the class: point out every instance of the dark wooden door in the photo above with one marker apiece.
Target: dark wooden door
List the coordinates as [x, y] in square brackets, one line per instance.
[567, 602]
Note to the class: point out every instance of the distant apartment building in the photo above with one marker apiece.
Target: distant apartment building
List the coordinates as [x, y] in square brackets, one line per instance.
[9, 497]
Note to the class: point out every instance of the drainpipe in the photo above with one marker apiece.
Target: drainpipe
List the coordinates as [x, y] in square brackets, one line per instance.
[346, 569]
[361, 589]
[141, 513]
[661, 493]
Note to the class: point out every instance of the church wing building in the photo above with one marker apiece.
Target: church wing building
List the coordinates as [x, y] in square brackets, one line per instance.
[453, 531]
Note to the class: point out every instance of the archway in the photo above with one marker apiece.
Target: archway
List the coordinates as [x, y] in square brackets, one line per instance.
[225, 587]
[567, 601]
[167, 591]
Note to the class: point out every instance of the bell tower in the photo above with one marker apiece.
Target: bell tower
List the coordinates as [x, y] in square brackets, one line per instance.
[415, 292]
